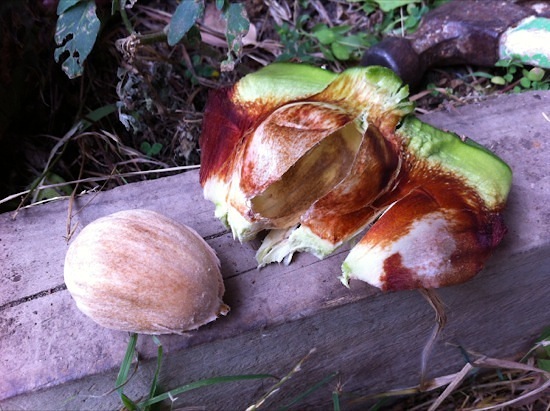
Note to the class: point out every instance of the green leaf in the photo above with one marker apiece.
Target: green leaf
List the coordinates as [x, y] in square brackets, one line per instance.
[97, 114]
[325, 35]
[535, 74]
[155, 149]
[367, 7]
[354, 41]
[302, 20]
[341, 30]
[544, 364]
[340, 52]
[220, 4]
[47, 193]
[498, 80]
[185, 17]
[503, 63]
[525, 82]
[75, 33]
[412, 9]
[327, 53]
[411, 22]
[150, 150]
[389, 5]
[145, 147]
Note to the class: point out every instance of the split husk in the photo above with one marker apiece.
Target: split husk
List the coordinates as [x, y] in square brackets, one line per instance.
[317, 157]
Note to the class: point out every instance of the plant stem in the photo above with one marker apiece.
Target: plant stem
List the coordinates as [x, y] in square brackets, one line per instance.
[125, 19]
[152, 38]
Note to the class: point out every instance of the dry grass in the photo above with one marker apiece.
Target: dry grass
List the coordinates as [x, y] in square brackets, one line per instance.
[482, 384]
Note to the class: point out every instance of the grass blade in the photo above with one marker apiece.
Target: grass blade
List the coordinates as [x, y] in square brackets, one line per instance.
[481, 74]
[128, 403]
[308, 392]
[122, 377]
[97, 114]
[202, 383]
[154, 383]
[335, 401]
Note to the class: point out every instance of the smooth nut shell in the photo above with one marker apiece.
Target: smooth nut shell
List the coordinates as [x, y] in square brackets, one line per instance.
[139, 271]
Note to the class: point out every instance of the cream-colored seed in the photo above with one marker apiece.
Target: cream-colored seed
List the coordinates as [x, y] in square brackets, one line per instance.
[139, 271]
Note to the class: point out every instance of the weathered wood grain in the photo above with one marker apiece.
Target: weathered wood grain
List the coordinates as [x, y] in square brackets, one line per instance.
[52, 354]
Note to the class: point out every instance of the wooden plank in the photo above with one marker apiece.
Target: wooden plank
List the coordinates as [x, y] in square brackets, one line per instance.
[51, 353]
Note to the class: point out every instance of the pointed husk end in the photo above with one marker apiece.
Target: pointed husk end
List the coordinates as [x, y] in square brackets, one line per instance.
[280, 245]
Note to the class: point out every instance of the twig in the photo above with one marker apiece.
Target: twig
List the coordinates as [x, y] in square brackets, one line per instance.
[459, 377]
[509, 87]
[277, 386]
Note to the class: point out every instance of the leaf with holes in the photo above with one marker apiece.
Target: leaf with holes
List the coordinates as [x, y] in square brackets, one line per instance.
[237, 27]
[75, 34]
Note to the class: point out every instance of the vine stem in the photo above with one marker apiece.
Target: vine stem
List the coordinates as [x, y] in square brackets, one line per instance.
[124, 17]
[152, 37]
